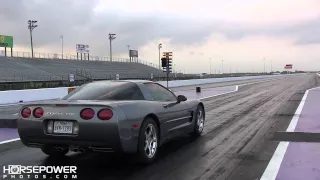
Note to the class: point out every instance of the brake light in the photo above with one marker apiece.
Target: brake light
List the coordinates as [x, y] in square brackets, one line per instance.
[38, 112]
[87, 114]
[26, 112]
[105, 114]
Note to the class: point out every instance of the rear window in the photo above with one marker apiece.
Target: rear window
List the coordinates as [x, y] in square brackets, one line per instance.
[106, 91]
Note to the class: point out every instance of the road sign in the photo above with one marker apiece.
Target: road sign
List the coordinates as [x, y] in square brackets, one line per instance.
[6, 41]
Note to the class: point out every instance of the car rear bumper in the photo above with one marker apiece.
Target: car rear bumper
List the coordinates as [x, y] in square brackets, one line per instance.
[93, 136]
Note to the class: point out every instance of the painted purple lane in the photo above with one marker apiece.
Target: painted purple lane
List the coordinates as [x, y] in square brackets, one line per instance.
[206, 92]
[309, 120]
[8, 134]
[301, 162]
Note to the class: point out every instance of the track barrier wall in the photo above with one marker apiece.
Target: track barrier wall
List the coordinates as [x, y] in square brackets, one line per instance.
[29, 95]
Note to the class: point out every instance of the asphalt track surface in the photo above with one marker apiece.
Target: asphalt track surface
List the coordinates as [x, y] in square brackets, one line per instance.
[236, 143]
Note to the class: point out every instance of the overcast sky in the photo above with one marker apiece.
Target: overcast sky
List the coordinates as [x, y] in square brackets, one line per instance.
[240, 32]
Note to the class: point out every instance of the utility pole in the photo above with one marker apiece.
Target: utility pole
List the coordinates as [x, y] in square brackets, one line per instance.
[111, 38]
[62, 45]
[31, 26]
[159, 47]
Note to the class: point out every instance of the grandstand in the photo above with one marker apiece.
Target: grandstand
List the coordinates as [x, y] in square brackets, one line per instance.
[20, 69]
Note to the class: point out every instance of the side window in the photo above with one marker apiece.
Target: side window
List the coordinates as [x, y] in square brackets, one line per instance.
[160, 93]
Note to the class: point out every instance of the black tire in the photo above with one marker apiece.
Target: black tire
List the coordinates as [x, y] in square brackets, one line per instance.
[50, 151]
[197, 131]
[143, 157]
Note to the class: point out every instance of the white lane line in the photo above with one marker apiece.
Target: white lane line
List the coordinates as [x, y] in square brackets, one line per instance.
[273, 167]
[294, 121]
[10, 140]
[237, 88]
[219, 94]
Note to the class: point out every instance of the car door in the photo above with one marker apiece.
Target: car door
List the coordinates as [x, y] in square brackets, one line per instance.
[175, 116]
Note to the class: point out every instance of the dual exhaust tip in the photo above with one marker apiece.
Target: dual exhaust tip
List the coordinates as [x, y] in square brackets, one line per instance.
[78, 150]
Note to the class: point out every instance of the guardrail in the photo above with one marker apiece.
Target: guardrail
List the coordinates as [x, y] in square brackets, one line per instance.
[19, 96]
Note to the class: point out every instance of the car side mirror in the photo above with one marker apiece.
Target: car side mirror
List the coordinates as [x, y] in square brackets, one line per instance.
[181, 98]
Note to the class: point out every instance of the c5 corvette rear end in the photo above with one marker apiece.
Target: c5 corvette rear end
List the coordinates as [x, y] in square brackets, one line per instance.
[110, 116]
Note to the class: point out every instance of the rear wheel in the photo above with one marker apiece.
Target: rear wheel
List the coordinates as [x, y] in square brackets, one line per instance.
[199, 122]
[52, 151]
[148, 141]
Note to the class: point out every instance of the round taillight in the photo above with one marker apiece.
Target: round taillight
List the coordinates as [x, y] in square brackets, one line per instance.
[87, 114]
[26, 112]
[105, 114]
[38, 112]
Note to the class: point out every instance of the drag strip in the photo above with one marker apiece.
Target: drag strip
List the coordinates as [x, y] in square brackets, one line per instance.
[235, 144]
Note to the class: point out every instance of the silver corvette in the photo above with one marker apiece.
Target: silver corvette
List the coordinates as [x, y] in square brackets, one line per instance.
[130, 116]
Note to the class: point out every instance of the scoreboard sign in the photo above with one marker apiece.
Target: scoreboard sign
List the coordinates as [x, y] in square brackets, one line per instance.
[81, 48]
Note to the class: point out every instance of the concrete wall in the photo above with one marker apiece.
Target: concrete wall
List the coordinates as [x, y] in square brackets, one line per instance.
[28, 95]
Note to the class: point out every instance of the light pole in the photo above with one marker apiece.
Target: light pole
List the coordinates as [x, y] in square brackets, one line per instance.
[31, 26]
[271, 65]
[210, 64]
[159, 47]
[222, 67]
[264, 65]
[111, 38]
[61, 45]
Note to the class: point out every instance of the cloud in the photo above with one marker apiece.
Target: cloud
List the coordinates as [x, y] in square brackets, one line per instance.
[232, 29]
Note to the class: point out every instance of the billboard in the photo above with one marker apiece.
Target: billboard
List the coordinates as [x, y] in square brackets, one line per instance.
[81, 48]
[6, 41]
[133, 53]
[288, 66]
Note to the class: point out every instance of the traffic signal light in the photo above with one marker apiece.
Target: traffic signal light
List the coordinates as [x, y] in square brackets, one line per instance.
[170, 63]
[164, 62]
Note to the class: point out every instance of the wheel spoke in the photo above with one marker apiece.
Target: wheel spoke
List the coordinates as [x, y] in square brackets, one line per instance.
[200, 114]
[146, 147]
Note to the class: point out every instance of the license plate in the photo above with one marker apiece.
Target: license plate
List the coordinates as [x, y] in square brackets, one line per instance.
[62, 127]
